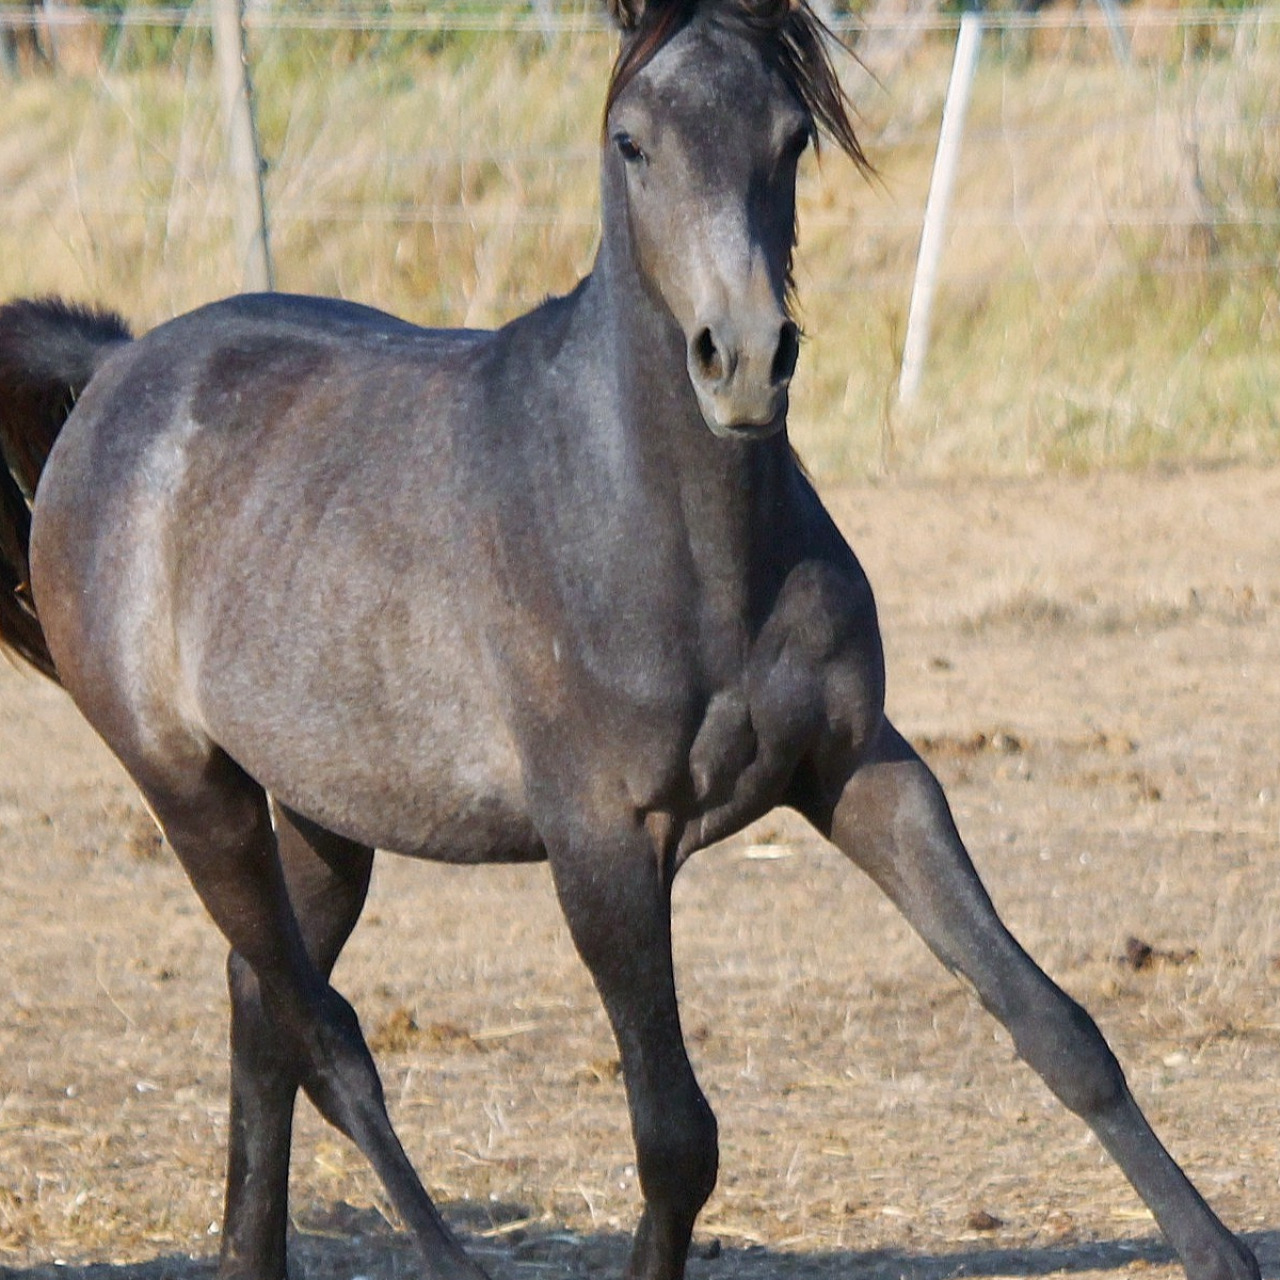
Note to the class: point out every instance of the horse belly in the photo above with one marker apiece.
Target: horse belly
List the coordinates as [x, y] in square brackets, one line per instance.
[447, 794]
[379, 723]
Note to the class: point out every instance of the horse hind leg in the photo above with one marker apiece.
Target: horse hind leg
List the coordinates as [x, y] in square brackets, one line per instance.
[327, 879]
[217, 819]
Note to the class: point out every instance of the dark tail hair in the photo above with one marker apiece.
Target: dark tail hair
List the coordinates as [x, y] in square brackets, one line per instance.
[49, 349]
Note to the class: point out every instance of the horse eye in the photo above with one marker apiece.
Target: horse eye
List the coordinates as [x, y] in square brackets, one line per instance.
[629, 149]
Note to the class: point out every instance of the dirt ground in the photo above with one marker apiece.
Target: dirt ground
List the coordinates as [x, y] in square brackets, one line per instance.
[1093, 667]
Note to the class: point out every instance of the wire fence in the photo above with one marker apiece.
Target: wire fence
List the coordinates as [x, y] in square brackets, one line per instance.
[574, 15]
[440, 161]
[1180, 68]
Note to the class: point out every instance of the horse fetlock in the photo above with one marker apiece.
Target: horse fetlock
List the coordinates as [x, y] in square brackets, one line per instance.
[1221, 1258]
[236, 1264]
[661, 1246]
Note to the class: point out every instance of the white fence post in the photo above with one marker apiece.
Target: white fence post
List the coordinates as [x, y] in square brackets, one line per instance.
[916, 345]
[1115, 29]
[253, 253]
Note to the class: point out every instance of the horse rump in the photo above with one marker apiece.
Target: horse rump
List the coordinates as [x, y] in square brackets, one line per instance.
[49, 349]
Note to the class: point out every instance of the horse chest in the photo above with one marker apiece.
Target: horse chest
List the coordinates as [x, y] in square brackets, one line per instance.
[717, 759]
[813, 667]
[677, 693]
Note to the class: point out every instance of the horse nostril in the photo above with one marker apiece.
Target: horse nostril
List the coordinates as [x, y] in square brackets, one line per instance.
[707, 354]
[788, 352]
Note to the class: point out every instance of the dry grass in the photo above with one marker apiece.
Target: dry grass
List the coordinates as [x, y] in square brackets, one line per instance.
[1088, 313]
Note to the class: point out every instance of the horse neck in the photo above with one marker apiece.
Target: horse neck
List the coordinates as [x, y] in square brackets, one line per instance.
[726, 490]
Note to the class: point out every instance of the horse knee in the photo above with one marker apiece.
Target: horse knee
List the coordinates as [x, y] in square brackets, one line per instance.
[1063, 1044]
[678, 1153]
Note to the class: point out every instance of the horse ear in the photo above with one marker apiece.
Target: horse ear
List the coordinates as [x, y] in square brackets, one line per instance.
[626, 13]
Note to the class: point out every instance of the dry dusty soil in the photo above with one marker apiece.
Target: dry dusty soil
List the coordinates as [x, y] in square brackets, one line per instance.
[1093, 667]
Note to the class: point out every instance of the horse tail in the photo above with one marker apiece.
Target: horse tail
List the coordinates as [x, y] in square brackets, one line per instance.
[49, 349]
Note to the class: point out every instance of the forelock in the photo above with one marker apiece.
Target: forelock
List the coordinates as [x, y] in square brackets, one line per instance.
[790, 36]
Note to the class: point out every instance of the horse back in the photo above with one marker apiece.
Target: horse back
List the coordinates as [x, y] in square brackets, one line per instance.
[252, 536]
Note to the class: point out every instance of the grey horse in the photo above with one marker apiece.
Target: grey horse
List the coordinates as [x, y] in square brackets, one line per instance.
[326, 582]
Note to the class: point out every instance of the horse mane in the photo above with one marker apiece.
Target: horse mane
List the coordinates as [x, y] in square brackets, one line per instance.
[791, 36]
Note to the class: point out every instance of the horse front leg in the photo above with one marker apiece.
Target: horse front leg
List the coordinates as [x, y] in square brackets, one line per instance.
[327, 879]
[618, 907]
[892, 819]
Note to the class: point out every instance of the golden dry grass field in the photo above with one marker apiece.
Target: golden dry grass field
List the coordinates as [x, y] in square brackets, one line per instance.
[1108, 295]
[1093, 666]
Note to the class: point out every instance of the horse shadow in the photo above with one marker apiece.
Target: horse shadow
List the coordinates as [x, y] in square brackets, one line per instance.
[340, 1242]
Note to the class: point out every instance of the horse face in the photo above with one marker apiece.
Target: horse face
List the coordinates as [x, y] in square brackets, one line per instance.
[702, 149]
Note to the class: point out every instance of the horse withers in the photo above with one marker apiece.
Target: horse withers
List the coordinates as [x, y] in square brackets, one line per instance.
[327, 582]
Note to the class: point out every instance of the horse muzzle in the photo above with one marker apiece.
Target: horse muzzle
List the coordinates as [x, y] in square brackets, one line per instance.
[742, 380]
